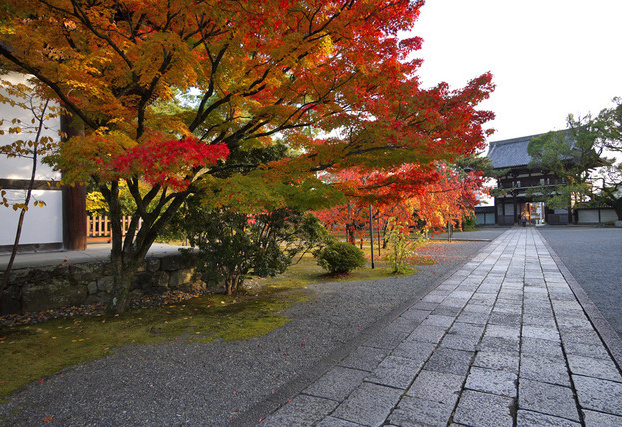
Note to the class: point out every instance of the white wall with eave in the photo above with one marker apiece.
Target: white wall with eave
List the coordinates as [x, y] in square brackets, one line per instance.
[596, 215]
[41, 224]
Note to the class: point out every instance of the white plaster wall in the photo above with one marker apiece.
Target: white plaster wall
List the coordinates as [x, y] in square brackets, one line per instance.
[41, 224]
[487, 218]
[590, 216]
[608, 215]
[21, 168]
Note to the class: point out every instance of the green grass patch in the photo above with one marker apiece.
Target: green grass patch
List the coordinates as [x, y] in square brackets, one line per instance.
[32, 352]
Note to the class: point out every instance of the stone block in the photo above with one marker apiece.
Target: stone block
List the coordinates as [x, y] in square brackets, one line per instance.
[502, 383]
[158, 280]
[92, 287]
[389, 338]
[536, 346]
[412, 411]
[335, 422]
[505, 319]
[426, 306]
[397, 372]
[482, 409]
[586, 350]
[434, 297]
[86, 271]
[580, 335]
[473, 318]
[170, 263]
[545, 369]
[536, 319]
[105, 283]
[365, 358]
[414, 350]
[495, 360]
[591, 367]
[337, 383]
[599, 395]
[446, 310]
[450, 361]
[369, 404]
[460, 342]
[548, 399]
[303, 410]
[152, 264]
[499, 344]
[501, 331]
[438, 320]
[180, 278]
[437, 386]
[598, 419]
[466, 329]
[57, 291]
[427, 333]
[530, 419]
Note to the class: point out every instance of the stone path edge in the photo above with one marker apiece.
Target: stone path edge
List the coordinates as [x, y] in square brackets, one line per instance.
[607, 334]
[286, 392]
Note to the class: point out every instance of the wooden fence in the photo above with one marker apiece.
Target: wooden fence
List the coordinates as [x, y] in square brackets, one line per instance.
[98, 227]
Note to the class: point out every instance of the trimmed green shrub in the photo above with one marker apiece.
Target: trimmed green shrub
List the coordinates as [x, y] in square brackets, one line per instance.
[234, 244]
[340, 257]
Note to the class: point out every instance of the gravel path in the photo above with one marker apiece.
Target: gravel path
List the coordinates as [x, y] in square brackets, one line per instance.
[594, 257]
[214, 383]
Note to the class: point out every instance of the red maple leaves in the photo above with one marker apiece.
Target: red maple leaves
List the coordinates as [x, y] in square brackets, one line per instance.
[168, 162]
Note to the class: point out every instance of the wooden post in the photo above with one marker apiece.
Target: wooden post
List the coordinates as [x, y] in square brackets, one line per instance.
[371, 236]
[74, 197]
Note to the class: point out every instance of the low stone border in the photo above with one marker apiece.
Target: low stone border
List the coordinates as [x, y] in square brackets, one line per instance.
[64, 285]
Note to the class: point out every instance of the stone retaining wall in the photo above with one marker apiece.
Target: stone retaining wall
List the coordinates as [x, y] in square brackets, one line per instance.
[65, 285]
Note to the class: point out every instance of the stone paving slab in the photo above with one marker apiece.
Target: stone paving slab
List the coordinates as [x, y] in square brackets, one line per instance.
[503, 341]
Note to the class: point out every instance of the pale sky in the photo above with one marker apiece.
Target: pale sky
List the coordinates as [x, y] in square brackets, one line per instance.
[549, 58]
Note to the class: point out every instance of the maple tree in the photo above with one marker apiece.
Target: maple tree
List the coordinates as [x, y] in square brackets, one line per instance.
[440, 196]
[251, 72]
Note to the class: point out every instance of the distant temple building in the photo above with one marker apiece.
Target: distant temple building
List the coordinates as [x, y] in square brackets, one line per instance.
[518, 199]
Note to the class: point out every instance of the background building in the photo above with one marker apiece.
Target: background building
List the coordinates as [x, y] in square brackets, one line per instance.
[520, 188]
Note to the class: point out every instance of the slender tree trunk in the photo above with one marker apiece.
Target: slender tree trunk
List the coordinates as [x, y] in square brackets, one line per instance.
[22, 214]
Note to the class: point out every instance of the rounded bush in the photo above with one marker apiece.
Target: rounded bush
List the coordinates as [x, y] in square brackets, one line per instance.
[340, 257]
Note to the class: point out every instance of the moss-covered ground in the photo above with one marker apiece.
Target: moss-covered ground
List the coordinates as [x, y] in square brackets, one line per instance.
[32, 352]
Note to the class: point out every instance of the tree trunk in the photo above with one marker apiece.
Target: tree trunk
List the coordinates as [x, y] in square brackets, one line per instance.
[121, 263]
[20, 222]
[122, 276]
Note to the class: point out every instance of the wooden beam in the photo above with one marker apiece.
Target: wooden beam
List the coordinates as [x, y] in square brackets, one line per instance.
[22, 184]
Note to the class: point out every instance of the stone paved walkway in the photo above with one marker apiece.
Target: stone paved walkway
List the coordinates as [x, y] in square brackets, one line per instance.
[502, 342]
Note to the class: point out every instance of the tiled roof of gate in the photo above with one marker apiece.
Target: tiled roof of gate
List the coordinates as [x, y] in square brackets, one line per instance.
[510, 152]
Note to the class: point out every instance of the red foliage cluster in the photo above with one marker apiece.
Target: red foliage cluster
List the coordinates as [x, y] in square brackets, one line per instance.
[419, 200]
[158, 159]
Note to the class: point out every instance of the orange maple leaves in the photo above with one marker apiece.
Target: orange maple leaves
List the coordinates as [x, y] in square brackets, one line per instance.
[428, 202]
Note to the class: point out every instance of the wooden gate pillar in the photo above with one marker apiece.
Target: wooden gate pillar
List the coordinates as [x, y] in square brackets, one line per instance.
[74, 196]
